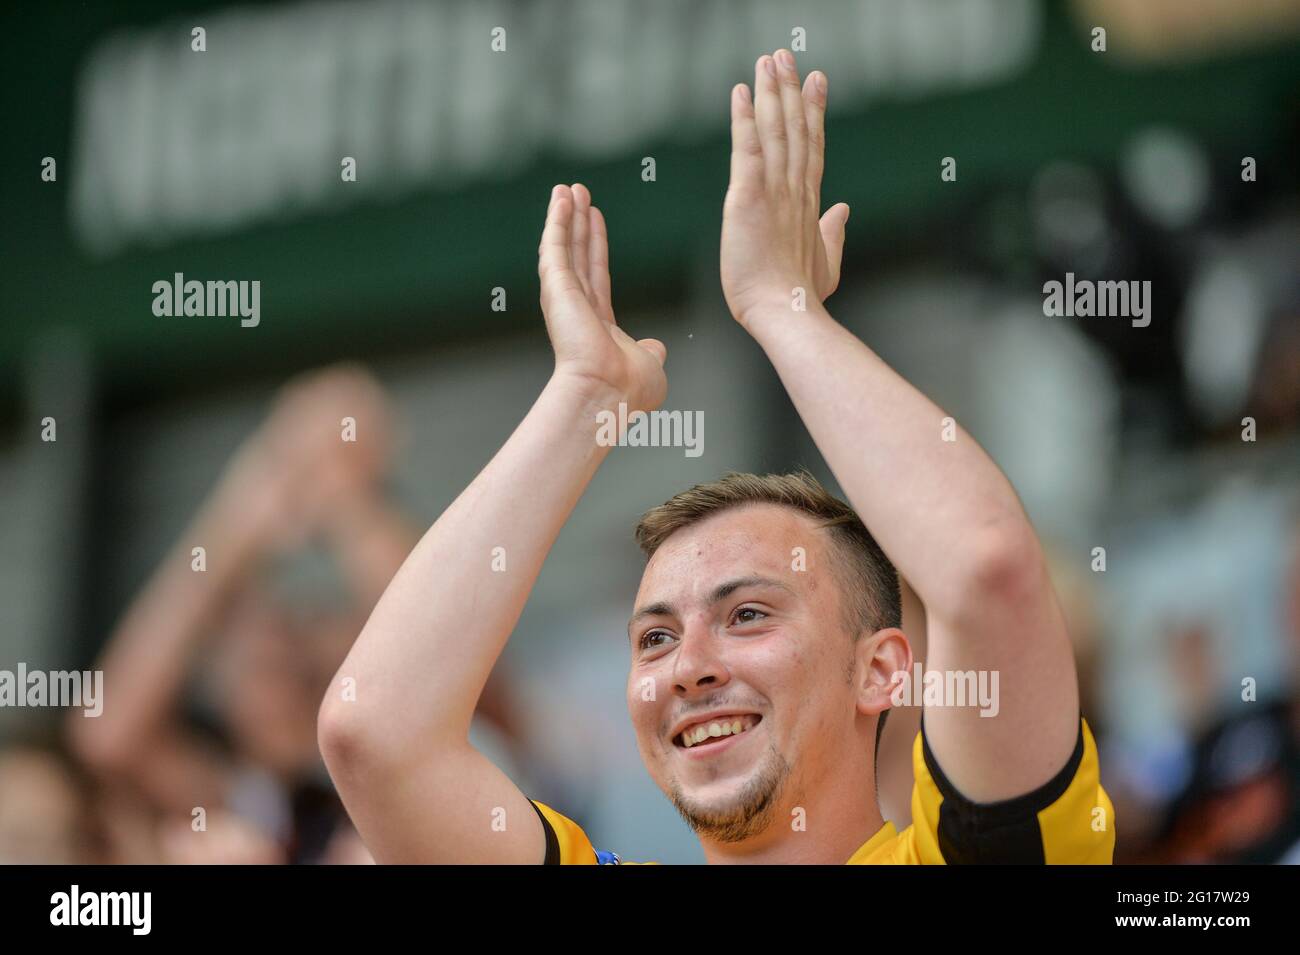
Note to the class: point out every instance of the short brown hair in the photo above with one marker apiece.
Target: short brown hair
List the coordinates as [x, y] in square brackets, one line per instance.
[868, 580]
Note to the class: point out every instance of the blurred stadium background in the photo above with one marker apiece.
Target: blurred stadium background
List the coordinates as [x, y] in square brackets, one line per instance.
[1126, 164]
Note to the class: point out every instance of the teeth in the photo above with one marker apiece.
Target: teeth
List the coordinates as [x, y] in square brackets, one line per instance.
[702, 731]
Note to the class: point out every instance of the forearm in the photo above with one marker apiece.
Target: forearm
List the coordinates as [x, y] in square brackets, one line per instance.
[437, 631]
[147, 657]
[939, 508]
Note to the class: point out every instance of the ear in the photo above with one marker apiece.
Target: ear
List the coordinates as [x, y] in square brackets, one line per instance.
[881, 659]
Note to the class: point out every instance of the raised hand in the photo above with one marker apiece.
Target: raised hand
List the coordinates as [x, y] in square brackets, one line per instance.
[774, 239]
[590, 349]
[289, 476]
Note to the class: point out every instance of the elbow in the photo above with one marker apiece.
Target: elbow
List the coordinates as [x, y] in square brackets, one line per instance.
[353, 742]
[364, 752]
[375, 734]
[341, 736]
[1003, 567]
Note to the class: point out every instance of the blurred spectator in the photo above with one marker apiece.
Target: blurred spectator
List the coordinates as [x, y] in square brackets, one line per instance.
[1242, 801]
[251, 788]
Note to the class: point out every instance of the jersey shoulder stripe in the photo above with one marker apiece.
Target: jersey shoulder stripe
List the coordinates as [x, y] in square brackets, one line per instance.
[1067, 820]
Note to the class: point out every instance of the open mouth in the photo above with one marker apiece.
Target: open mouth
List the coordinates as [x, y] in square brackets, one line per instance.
[712, 731]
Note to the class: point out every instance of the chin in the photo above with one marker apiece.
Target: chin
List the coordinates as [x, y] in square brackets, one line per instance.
[737, 807]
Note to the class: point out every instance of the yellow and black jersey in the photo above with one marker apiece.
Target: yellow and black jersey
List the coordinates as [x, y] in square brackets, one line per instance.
[1068, 819]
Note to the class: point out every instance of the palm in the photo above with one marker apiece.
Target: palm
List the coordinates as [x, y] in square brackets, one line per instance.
[761, 250]
[773, 240]
[573, 264]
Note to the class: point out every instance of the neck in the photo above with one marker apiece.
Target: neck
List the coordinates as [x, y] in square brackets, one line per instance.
[822, 823]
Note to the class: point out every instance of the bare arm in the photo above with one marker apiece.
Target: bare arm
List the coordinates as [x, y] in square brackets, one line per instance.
[399, 752]
[941, 510]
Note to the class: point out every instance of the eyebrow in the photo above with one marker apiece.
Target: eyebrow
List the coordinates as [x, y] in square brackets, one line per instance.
[721, 592]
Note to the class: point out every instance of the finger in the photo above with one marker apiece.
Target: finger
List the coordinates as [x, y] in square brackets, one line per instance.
[796, 126]
[832, 227]
[655, 347]
[746, 150]
[578, 236]
[600, 284]
[769, 120]
[554, 258]
[814, 110]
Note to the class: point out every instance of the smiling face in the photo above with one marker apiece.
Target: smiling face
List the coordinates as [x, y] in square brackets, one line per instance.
[754, 671]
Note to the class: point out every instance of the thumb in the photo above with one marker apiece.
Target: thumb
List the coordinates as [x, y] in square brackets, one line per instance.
[832, 228]
[655, 347]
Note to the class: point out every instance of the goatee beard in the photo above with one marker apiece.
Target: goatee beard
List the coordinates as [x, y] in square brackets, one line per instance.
[745, 815]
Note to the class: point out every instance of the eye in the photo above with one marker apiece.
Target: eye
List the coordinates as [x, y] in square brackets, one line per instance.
[739, 617]
[647, 639]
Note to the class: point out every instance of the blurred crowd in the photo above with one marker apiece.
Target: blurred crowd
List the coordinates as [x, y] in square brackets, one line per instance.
[208, 751]
[1211, 772]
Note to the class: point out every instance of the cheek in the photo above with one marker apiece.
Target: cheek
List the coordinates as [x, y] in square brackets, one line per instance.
[645, 702]
[801, 685]
[781, 669]
[831, 710]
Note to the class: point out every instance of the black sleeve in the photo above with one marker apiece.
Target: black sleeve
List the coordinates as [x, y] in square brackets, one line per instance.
[552, 843]
[1004, 832]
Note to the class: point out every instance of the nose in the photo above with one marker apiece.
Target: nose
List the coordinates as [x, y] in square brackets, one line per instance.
[698, 663]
